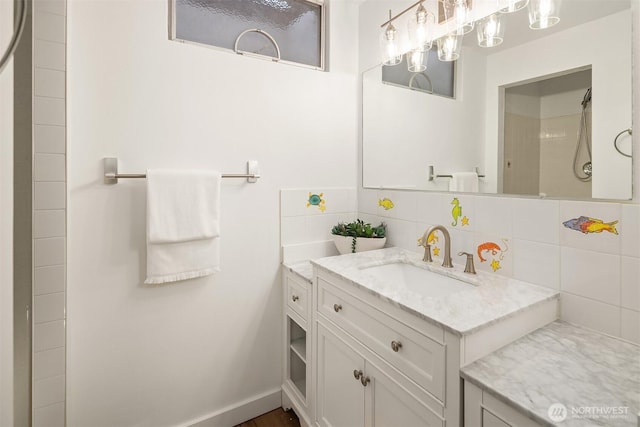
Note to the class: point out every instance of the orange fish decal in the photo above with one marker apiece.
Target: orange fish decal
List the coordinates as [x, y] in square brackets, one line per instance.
[492, 247]
[587, 225]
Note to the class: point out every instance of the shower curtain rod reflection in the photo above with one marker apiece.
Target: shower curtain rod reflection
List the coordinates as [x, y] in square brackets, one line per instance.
[111, 174]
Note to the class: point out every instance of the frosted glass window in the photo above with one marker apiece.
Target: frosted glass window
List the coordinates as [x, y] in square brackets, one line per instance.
[439, 77]
[296, 26]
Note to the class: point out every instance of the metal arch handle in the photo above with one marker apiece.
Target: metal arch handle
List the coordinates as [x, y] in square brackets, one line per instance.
[413, 78]
[615, 142]
[17, 34]
[264, 33]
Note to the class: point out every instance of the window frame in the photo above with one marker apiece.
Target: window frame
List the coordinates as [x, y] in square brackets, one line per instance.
[323, 36]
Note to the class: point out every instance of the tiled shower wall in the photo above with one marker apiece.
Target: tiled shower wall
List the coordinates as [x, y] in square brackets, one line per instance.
[49, 212]
[596, 273]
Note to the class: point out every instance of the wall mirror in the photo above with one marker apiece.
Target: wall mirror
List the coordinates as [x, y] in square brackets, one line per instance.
[537, 115]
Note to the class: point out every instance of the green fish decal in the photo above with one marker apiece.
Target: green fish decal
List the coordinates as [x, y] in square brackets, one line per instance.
[456, 212]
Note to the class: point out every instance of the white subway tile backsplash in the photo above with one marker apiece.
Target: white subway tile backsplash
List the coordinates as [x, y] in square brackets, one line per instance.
[49, 139]
[494, 215]
[397, 204]
[604, 241]
[49, 83]
[47, 336]
[537, 263]
[48, 111]
[432, 208]
[47, 280]
[293, 230]
[590, 274]
[48, 363]
[630, 325]
[49, 167]
[49, 26]
[590, 313]
[400, 233]
[630, 230]
[48, 251]
[368, 201]
[49, 307]
[48, 223]
[48, 391]
[48, 54]
[536, 220]
[49, 195]
[50, 416]
[630, 277]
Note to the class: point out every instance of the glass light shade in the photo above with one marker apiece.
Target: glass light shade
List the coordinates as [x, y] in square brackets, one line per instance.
[389, 46]
[449, 47]
[490, 31]
[543, 13]
[419, 25]
[462, 16]
[510, 6]
[416, 60]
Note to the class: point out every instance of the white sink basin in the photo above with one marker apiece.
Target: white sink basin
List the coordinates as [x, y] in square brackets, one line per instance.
[417, 279]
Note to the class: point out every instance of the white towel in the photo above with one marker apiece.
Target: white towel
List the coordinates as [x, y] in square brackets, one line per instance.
[183, 209]
[464, 182]
[182, 205]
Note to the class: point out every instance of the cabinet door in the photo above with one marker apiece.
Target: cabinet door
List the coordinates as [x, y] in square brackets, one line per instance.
[340, 396]
[391, 405]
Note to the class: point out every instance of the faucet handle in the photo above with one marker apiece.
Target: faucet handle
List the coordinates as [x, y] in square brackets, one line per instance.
[468, 267]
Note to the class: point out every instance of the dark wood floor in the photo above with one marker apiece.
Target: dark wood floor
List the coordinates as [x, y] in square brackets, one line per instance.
[276, 418]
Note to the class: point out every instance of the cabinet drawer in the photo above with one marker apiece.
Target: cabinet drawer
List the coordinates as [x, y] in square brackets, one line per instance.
[298, 297]
[415, 355]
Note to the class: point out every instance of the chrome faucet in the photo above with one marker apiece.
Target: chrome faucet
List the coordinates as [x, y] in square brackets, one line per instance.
[447, 244]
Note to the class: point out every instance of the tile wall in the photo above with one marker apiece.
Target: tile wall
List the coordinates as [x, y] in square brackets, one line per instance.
[306, 219]
[598, 274]
[49, 212]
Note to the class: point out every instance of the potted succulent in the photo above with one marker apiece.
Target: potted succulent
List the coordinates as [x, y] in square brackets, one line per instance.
[358, 236]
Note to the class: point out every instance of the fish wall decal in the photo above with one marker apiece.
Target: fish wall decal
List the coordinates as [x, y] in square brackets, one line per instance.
[587, 225]
[386, 203]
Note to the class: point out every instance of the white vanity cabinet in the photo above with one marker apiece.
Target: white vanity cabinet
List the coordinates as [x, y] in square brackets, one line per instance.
[481, 408]
[377, 365]
[297, 321]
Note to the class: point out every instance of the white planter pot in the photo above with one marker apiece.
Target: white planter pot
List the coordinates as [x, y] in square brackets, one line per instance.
[343, 243]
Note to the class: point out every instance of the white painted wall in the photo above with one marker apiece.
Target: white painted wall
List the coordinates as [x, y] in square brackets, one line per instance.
[176, 354]
[608, 55]
[6, 223]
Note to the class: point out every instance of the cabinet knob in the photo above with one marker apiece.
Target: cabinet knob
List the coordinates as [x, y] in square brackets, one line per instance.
[396, 346]
[364, 381]
[357, 374]
[295, 298]
[337, 307]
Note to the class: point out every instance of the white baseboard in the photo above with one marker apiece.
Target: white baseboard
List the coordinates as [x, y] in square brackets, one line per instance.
[242, 411]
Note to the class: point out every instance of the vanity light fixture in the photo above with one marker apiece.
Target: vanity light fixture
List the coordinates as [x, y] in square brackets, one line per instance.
[391, 54]
[510, 6]
[543, 13]
[490, 31]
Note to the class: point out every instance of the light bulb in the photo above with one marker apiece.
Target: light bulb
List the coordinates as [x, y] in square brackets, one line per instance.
[391, 54]
[415, 61]
[510, 6]
[420, 28]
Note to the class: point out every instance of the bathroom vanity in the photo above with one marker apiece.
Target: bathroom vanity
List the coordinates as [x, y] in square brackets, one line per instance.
[386, 335]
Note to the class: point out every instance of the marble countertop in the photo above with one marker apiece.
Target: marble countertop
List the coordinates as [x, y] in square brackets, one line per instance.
[303, 269]
[495, 298]
[569, 365]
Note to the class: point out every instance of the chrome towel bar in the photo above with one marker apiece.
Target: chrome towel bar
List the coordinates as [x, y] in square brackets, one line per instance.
[432, 174]
[111, 174]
